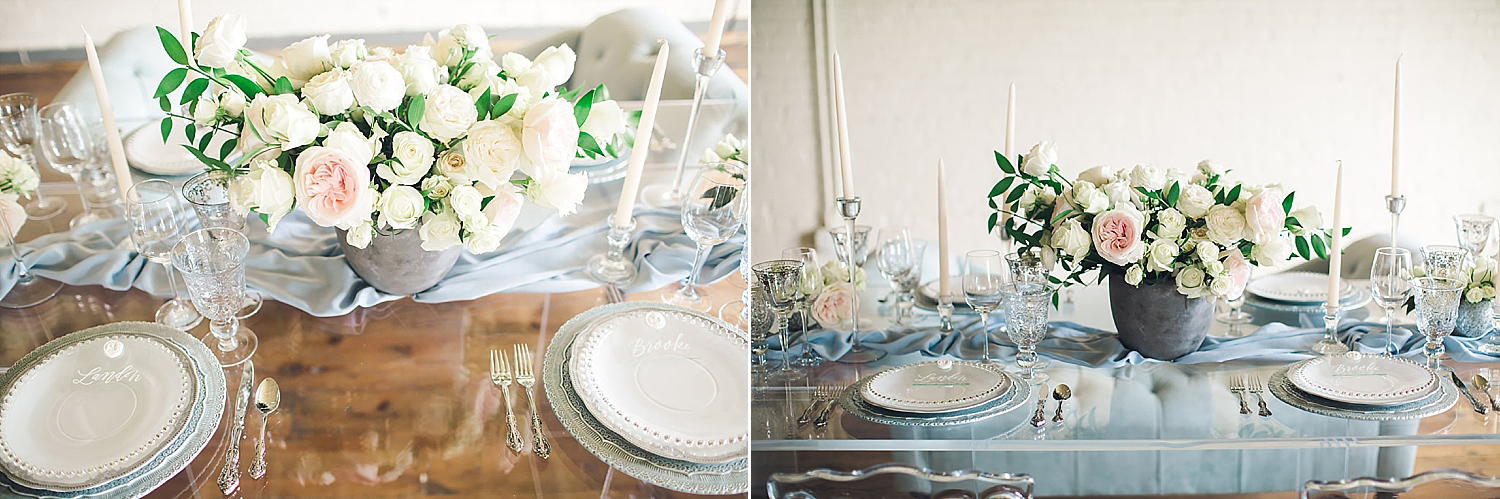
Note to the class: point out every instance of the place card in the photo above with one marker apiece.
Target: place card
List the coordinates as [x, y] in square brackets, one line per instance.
[1355, 364]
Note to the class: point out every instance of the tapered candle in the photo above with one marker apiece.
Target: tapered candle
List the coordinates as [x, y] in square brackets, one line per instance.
[642, 138]
[1396, 138]
[942, 199]
[1335, 257]
[716, 28]
[111, 132]
[1010, 125]
[185, 19]
[846, 169]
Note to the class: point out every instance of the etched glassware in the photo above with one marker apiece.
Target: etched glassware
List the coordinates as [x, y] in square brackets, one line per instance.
[208, 193]
[1026, 305]
[1437, 312]
[212, 262]
[18, 134]
[812, 281]
[1474, 232]
[782, 280]
[1444, 260]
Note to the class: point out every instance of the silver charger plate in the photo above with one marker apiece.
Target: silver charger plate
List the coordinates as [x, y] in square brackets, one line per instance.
[853, 403]
[731, 477]
[203, 418]
[1439, 401]
[1355, 301]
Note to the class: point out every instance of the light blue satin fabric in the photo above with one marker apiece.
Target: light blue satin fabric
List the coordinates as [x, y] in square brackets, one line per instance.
[301, 264]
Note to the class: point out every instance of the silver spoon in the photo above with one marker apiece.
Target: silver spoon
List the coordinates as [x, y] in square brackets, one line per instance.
[1484, 387]
[267, 399]
[1060, 394]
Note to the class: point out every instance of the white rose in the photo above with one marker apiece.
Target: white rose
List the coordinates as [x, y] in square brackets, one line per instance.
[727, 147]
[1210, 168]
[1221, 286]
[232, 102]
[607, 119]
[344, 53]
[382, 53]
[1071, 238]
[329, 93]
[419, 70]
[437, 186]
[20, 175]
[1170, 224]
[440, 231]
[483, 74]
[455, 166]
[491, 153]
[451, 43]
[205, 111]
[558, 190]
[1089, 198]
[220, 42]
[1098, 175]
[377, 85]
[549, 136]
[550, 69]
[1160, 255]
[1226, 225]
[1147, 176]
[360, 235]
[283, 121]
[449, 113]
[1190, 282]
[484, 240]
[1308, 217]
[401, 207]
[308, 57]
[1121, 194]
[1040, 159]
[1215, 268]
[466, 201]
[505, 206]
[1195, 201]
[1206, 251]
[413, 154]
[347, 137]
[1134, 274]
[266, 189]
[1272, 252]
[514, 64]
[279, 69]
[12, 211]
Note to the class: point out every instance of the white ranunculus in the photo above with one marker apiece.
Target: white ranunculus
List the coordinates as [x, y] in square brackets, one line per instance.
[440, 231]
[1308, 217]
[401, 207]
[1226, 225]
[1170, 224]
[414, 156]
[455, 166]
[1206, 251]
[558, 190]
[607, 119]
[549, 136]
[1041, 158]
[220, 42]
[550, 69]
[329, 93]
[308, 57]
[1134, 274]
[421, 72]
[449, 113]
[437, 186]
[466, 201]
[345, 53]
[12, 212]
[282, 120]
[1147, 176]
[232, 102]
[1272, 252]
[347, 137]
[377, 85]
[1190, 282]
[1098, 175]
[266, 189]
[452, 42]
[1195, 201]
[1160, 255]
[1088, 198]
[360, 235]
[205, 111]
[492, 153]
[1071, 238]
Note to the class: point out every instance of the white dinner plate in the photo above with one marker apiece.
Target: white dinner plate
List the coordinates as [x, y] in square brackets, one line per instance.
[1299, 287]
[145, 151]
[1403, 381]
[94, 410]
[670, 380]
[935, 387]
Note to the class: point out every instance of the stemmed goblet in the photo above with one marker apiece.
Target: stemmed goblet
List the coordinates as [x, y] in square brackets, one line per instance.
[1390, 282]
[212, 262]
[208, 193]
[1443, 260]
[18, 133]
[1236, 315]
[152, 208]
[812, 281]
[1026, 305]
[1027, 266]
[1437, 312]
[713, 212]
[781, 280]
[68, 144]
[984, 280]
[1474, 232]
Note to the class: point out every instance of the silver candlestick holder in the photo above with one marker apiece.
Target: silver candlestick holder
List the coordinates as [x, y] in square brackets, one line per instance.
[612, 267]
[857, 354]
[663, 195]
[1395, 205]
[1330, 344]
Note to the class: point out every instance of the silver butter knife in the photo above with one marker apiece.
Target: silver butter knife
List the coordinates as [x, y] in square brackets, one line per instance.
[229, 476]
[1473, 402]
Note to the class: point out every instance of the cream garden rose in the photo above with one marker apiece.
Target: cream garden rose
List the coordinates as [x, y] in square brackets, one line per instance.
[401, 207]
[1072, 239]
[266, 189]
[605, 120]
[440, 231]
[834, 305]
[449, 113]
[414, 157]
[1264, 215]
[308, 58]
[332, 189]
[1041, 158]
[1226, 225]
[1117, 236]
[1170, 223]
[491, 153]
[558, 190]
[1148, 176]
[421, 72]
[549, 136]
[282, 121]
[1195, 201]
[329, 93]
[220, 41]
[1190, 282]
[466, 201]
[1161, 255]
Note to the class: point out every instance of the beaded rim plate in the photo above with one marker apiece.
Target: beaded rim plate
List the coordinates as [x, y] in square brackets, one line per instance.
[145, 151]
[731, 477]
[201, 422]
[1017, 396]
[1297, 287]
[1434, 403]
[927, 387]
[1405, 381]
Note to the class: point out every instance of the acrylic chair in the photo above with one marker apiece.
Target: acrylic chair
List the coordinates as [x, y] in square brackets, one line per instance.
[895, 480]
[1447, 484]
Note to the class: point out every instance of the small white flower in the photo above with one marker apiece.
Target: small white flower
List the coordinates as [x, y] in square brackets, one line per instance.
[558, 190]
[1089, 198]
[12, 212]
[413, 154]
[514, 64]
[1041, 158]
[1147, 176]
[232, 103]
[377, 84]
[205, 111]
[267, 189]
[466, 201]
[1272, 252]
[1098, 175]
[347, 52]
[1170, 223]
[449, 47]
[1072, 239]
[1160, 255]
[1134, 274]
[221, 41]
[401, 207]
[484, 240]
[421, 72]
[360, 235]
[329, 92]
[346, 137]
[437, 186]
[440, 231]
[491, 153]
[1190, 281]
[282, 120]
[1308, 217]
[1206, 251]
[1221, 285]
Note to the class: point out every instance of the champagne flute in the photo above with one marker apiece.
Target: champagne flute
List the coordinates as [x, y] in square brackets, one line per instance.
[18, 131]
[68, 145]
[153, 210]
[1390, 282]
[713, 211]
[984, 276]
[812, 281]
[1437, 313]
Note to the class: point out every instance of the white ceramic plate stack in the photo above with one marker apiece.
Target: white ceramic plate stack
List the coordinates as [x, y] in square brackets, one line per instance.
[1297, 287]
[935, 393]
[1397, 389]
[113, 411]
[145, 151]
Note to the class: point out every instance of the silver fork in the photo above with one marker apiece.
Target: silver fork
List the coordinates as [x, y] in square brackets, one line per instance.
[613, 294]
[1237, 385]
[500, 376]
[833, 402]
[820, 395]
[1259, 389]
[524, 376]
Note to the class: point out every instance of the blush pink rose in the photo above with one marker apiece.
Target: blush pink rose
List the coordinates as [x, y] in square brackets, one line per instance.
[1264, 215]
[549, 136]
[1239, 271]
[332, 189]
[1117, 236]
[834, 305]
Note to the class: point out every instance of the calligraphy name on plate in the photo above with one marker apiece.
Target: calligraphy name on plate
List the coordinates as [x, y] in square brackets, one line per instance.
[99, 375]
[940, 379]
[1355, 364]
[640, 347]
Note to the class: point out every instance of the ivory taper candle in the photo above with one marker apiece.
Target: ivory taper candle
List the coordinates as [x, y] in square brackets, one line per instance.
[846, 168]
[185, 19]
[715, 29]
[642, 145]
[106, 111]
[1010, 125]
[1396, 138]
[942, 199]
[1335, 258]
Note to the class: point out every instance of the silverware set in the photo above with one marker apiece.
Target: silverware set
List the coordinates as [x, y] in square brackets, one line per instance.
[1250, 383]
[503, 375]
[1061, 394]
[267, 400]
[825, 396]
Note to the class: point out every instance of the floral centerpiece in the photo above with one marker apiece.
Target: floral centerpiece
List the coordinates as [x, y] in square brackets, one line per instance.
[1195, 234]
[17, 179]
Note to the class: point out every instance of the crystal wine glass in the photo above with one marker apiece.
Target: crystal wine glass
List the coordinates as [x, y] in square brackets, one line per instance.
[1026, 305]
[29, 289]
[1390, 282]
[984, 278]
[152, 208]
[212, 262]
[1474, 231]
[1437, 312]
[68, 145]
[1444, 260]
[208, 193]
[896, 259]
[713, 212]
[812, 280]
[863, 234]
[18, 133]
[782, 280]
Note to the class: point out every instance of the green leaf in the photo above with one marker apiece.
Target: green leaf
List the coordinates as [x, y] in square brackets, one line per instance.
[1286, 204]
[1004, 163]
[1174, 193]
[1060, 216]
[485, 203]
[166, 104]
[589, 145]
[1347, 229]
[416, 109]
[1302, 249]
[228, 146]
[191, 131]
[722, 195]
[503, 105]
[994, 219]
[211, 162]
[1015, 195]
[1319, 247]
[170, 82]
[1234, 194]
[172, 46]
[205, 139]
[581, 108]
[193, 90]
[244, 84]
[483, 103]
[1002, 186]
[282, 86]
[166, 129]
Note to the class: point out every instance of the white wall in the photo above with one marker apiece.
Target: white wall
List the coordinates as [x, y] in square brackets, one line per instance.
[53, 24]
[1277, 90]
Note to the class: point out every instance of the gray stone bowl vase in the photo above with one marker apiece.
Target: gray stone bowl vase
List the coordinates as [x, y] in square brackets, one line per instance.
[396, 263]
[1156, 320]
[1474, 319]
